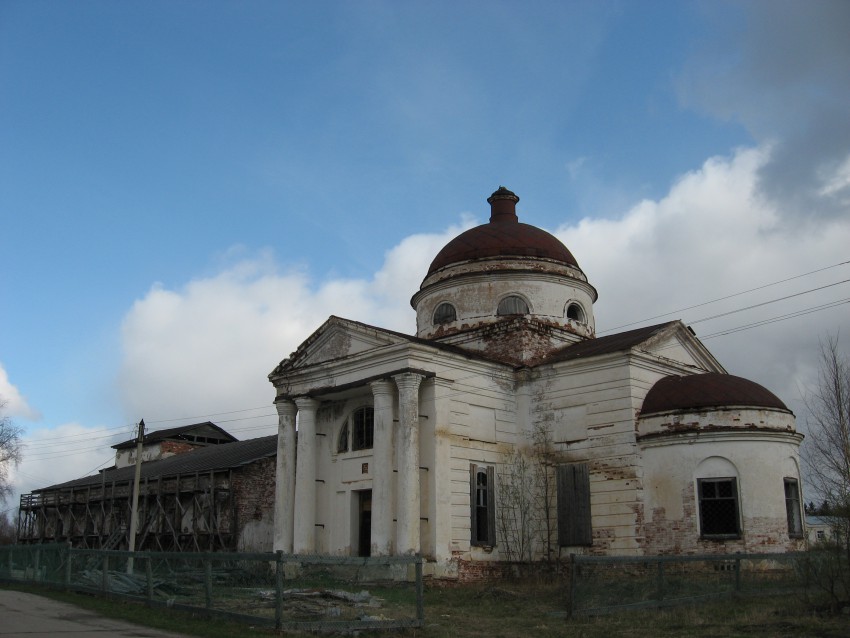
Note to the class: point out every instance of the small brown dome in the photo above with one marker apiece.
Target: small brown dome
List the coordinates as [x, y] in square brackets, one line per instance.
[503, 236]
[710, 390]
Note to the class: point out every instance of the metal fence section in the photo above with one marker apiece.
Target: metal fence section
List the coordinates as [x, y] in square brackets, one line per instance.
[279, 590]
[602, 584]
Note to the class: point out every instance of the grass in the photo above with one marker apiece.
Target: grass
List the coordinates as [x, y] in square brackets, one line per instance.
[508, 612]
[518, 609]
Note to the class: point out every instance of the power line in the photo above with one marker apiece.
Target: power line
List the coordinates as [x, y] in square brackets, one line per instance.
[204, 416]
[737, 294]
[90, 432]
[790, 315]
[765, 303]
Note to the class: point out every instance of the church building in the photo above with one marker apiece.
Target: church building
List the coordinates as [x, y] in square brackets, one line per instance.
[505, 429]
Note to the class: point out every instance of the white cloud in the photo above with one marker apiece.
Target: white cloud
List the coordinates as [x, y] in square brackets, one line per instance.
[208, 347]
[836, 183]
[779, 67]
[15, 403]
[712, 235]
[63, 453]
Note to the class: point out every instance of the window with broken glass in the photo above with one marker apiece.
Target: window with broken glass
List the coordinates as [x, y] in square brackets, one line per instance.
[483, 510]
[792, 508]
[718, 508]
[358, 431]
[575, 312]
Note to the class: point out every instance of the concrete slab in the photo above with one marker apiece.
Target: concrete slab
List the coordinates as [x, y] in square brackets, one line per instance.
[30, 616]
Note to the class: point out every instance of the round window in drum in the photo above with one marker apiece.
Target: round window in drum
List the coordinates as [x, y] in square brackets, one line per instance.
[445, 313]
[512, 305]
[575, 312]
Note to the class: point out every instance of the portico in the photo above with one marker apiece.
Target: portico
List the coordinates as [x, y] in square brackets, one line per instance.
[377, 453]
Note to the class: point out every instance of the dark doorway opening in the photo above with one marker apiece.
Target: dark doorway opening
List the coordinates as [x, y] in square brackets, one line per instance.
[364, 536]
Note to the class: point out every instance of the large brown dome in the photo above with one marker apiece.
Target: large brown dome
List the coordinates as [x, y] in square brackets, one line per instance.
[503, 236]
[710, 390]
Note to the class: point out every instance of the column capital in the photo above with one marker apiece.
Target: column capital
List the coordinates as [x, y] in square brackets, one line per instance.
[382, 387]
[408, 380]
[307, 404]
[285, 407]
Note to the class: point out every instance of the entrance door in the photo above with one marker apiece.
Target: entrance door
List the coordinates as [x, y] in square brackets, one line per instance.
[364, 536]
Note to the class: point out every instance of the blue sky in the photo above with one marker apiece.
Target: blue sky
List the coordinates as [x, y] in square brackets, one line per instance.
[188, 189]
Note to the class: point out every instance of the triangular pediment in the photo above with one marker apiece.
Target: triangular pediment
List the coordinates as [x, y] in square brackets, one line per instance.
[676, 342]
[672, 342]
[338, 339]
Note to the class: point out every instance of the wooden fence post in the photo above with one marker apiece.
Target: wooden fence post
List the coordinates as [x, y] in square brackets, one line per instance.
[420, 592]
[149, 575]
[659, 581]
[104, 576]
[571, 601]
[68, 559]
[278, 590]
[208, 580]
[738, 574]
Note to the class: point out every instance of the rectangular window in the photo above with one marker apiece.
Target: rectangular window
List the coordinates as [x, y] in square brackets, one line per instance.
[574, 524]
[718, 508]
[363, 430]
[483, 505]
[792, 508]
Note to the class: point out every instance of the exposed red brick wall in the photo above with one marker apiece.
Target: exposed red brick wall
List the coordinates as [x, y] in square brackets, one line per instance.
[176, 447]
[253, 492]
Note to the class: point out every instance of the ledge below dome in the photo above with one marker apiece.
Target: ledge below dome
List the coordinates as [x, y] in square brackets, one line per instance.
[521, 340]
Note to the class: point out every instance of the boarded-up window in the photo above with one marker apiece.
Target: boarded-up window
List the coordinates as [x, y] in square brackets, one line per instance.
[483, 505]
[574, 527]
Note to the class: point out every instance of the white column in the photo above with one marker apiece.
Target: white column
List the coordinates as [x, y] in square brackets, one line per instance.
[408, 508]
[284, 493]
[382, 469]
[304, 538]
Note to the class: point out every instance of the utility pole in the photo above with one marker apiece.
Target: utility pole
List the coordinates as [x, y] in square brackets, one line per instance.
[134, 513]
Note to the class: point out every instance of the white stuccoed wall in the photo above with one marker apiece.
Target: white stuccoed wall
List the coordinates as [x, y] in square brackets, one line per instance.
[758, 459]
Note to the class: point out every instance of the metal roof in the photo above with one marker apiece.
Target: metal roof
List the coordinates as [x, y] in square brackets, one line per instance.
[504, 236]
[607, 344]
[205, 459]
[174, 433]
[707, 390]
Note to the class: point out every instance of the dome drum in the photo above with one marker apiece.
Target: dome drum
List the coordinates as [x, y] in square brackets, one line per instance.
[476, 299]
[476, 270]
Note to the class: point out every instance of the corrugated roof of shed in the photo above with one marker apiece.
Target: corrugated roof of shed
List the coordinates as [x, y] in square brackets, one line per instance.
[160, 435]
[213, 457]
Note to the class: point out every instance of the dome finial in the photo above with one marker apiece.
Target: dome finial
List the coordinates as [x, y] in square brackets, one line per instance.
[503, 206]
